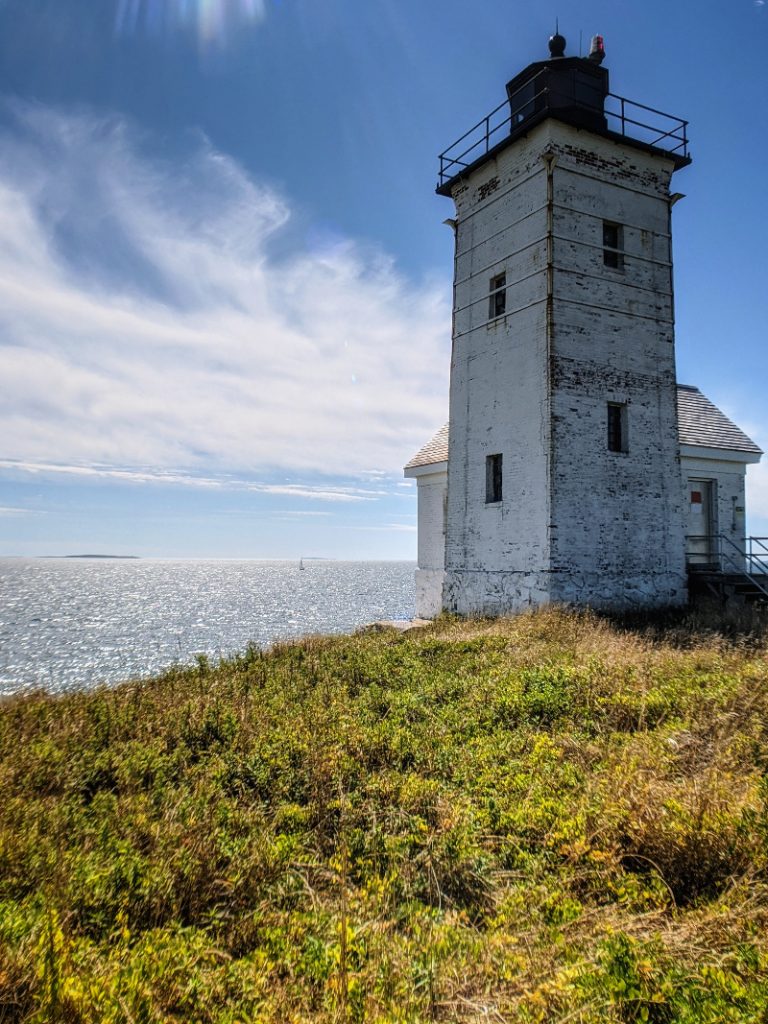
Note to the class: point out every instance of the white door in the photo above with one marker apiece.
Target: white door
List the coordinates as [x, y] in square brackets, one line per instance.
[701, 547]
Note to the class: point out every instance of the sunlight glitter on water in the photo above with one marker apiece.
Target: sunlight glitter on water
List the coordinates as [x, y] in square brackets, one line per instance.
[78, 622]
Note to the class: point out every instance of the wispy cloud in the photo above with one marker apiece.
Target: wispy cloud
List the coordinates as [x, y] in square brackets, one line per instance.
[300, 512]
[11, 511]
[317, 493]
[126, 475]
[145, 322]
[166, 478]
[391, 527]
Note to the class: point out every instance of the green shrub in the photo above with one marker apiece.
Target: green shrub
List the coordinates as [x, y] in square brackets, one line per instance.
[544, 818]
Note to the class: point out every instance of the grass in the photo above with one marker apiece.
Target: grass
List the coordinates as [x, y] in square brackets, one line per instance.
[549, 818]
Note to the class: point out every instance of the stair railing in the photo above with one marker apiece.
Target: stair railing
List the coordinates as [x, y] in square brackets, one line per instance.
[750, 562]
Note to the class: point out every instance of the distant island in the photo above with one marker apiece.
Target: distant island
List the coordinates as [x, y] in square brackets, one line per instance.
[96, 556]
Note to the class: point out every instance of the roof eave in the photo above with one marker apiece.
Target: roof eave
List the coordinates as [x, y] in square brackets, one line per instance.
[701, 451]
[426, 469]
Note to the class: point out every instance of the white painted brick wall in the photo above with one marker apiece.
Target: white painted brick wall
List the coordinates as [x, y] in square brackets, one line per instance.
[619, 538]
[498, 382]
[431, 491]
[577, 522]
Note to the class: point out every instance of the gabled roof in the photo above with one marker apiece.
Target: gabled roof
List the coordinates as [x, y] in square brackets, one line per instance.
[699, 423]
[435, 450]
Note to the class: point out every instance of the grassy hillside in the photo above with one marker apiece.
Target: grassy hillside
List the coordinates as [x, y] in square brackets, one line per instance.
[551, 818]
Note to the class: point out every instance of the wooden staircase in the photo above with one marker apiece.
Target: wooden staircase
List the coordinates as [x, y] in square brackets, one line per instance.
[731, 573]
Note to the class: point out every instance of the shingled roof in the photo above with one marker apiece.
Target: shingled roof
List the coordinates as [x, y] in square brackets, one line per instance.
[699, 423]
[435, 450]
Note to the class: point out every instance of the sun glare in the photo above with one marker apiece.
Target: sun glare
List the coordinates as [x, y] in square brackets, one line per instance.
[213, 22]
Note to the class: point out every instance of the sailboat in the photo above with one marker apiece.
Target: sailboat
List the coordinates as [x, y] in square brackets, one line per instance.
[301, 564]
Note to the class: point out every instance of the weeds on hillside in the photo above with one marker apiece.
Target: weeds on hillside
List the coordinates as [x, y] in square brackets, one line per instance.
[556, 817]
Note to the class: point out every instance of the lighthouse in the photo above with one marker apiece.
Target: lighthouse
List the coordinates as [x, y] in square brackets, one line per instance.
[564, 480]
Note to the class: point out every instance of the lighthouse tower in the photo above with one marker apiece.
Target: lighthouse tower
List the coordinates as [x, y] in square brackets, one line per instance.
[564, 479]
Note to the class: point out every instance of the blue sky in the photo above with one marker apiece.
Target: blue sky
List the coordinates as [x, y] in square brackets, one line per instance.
[224, 277]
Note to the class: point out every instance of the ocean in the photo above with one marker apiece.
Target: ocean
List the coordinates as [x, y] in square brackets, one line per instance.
[79, 622]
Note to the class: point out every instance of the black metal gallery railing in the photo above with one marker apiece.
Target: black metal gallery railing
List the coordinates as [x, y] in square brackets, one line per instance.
[625, 117]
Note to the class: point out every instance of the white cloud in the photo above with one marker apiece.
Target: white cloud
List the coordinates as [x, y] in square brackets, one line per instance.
[317, 492]
[391, 528]
[11, 511]
[144, 322]
[300, 512]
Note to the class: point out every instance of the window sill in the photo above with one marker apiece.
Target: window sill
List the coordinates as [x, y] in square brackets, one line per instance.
[494, 321]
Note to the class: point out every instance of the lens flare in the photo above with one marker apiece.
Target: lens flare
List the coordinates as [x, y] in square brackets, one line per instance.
[213, 22]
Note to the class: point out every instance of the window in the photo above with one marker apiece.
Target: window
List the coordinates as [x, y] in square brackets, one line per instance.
[613, 245]
[492, 478]
[497, 301]
[524, 102]
[617, 427]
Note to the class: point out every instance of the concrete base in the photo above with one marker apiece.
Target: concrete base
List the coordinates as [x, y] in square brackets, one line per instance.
[504, 593]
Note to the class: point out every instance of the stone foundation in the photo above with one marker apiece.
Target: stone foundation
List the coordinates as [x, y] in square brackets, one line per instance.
[494, 593]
